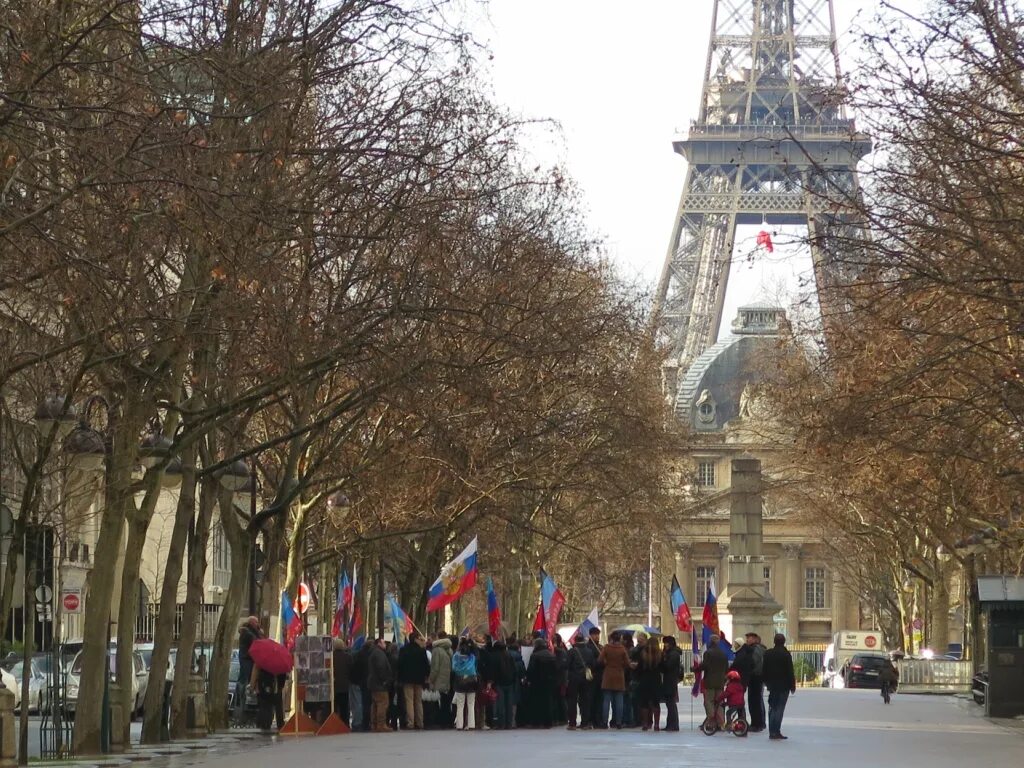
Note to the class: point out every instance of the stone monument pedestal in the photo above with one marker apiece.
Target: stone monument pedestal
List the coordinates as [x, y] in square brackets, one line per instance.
[746, 604]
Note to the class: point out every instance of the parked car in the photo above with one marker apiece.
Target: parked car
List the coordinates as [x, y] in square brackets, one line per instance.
[11, 684]
[139, 682]
[38, 682]
[861, 671]
[979, 686]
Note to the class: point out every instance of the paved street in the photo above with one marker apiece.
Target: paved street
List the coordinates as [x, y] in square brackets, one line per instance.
[826, 728]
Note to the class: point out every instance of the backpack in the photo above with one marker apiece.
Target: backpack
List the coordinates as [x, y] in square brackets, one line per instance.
[464, 677]
[758, 669]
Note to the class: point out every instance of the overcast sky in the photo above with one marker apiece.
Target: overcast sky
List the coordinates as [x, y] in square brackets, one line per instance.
[623, 79]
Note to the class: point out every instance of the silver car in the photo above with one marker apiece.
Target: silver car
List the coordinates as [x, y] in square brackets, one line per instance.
[139, 682]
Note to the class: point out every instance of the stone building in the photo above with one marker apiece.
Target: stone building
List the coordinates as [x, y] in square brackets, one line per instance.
[718, 401]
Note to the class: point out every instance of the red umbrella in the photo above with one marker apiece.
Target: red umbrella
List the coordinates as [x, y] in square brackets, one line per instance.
[271, 656]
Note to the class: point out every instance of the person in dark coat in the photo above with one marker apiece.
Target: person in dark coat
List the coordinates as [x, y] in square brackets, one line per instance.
[671, 673]
[503, 677]
[561, 680]
[341, 662]
[749, 662]
[647, 675]
[378, 680]
[413, 675]
[360, 672]
[515, 651]
[594, 642]
[248, 632]
[269, 689]
[579, 680]
[714, 664]
[780, 680]
[541, 682]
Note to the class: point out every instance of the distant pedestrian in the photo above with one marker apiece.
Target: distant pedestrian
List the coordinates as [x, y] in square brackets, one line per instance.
[614, 661]
[780, 680]
[647, 675]
[597, 702]
[561, 679]
[714, 664]
[503, 676]
[249, 631]
[579, 695]
[465, 680]
[413, 674]
[749, 662]
[671, 673]
[378, 682]
[541, 685]
[363, 720]
[269, 689]
[441, 678]
[341, 662]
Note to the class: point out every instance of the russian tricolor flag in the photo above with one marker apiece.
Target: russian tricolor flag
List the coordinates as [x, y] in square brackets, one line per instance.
[709, 622]
[493, 611]
[456, 579]
[291, 622]
[344, 601]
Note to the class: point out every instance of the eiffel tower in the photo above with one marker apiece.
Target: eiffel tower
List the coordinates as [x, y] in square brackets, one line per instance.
[772, 146]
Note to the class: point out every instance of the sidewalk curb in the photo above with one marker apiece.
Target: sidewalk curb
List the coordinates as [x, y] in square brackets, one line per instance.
[247, 739]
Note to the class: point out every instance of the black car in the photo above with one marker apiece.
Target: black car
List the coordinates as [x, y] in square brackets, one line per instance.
[862, 670]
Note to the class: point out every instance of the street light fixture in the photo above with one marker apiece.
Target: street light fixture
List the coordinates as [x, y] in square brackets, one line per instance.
[86, 447]
[54, 411]
[154, 448]
[234, 477]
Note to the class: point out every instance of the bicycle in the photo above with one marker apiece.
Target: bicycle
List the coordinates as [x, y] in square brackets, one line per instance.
[735, 722]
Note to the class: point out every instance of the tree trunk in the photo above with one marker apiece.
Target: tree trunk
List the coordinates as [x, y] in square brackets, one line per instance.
[938, 611]
[163, 631]
[193, 605]
[240, 542]
[138, 526]
[96, 632]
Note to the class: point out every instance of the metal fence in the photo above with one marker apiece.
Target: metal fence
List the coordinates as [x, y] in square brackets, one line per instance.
[209, 616]
[935, 675]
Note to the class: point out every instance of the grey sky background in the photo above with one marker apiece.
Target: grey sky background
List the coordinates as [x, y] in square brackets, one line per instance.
[623, 79]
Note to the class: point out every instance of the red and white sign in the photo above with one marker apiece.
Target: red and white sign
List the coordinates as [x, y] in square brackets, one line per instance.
[71, 601]
[870, 641]
[305, 596]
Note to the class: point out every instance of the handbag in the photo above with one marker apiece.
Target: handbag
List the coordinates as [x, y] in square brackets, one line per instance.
[490, 695]
[588, 673]
[432, 696]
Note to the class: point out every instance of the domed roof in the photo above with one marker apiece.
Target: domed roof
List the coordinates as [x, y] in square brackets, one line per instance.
[709, 393]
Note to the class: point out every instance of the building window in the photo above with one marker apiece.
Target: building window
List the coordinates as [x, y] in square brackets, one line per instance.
[221, 551]
[636, 590]
[705, 576]
[706, 474]
[814, 588]
[768, 579]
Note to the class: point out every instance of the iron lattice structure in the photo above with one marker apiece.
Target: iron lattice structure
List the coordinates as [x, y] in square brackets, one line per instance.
[772, 145]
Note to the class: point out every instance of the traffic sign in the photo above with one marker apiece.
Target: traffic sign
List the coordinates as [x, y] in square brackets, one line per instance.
[44, 594]
[304, 597]
[71, 601]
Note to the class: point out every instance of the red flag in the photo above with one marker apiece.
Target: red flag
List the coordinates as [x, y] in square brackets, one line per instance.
[538, 621]
[765, 239]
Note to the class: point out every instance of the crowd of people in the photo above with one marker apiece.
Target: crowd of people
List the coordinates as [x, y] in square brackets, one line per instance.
[483, 683]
